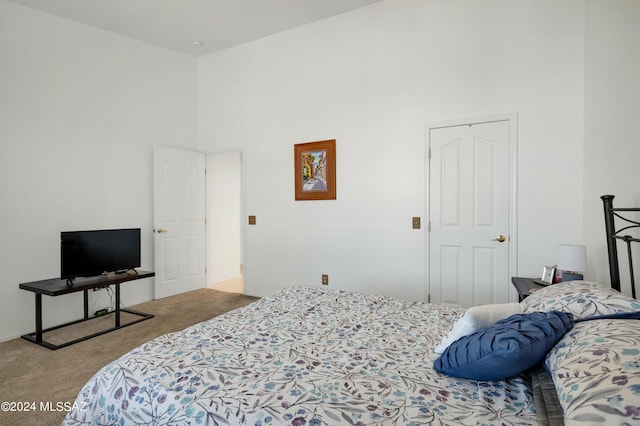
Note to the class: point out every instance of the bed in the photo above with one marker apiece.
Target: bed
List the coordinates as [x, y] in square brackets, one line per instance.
[318, 356]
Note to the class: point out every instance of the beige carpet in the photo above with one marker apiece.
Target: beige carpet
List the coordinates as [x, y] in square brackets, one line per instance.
[44, 379]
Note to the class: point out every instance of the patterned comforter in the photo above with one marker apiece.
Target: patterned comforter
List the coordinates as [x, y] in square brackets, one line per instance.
[304, 356]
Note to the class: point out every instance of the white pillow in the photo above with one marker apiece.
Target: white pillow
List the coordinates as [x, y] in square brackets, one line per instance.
[478, 318]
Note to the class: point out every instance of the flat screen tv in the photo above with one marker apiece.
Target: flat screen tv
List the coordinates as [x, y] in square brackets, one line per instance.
[89, 253]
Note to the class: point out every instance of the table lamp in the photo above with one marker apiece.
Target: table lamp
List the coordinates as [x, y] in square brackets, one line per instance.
[572, 259]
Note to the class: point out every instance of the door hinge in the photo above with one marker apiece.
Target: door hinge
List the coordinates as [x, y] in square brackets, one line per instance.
[429, 227]
[429, 298]
[429, 154]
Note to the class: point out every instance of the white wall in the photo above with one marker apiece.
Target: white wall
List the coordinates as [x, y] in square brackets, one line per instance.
[612, 134]
[372, 79]
[224, 204]
[80, 110]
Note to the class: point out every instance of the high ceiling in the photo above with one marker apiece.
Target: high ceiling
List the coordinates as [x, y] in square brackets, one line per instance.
[177, 24]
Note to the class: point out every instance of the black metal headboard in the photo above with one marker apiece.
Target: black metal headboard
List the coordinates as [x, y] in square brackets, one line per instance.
[614, 234]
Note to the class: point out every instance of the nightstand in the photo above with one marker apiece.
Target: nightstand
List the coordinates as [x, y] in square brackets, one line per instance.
[524, 286]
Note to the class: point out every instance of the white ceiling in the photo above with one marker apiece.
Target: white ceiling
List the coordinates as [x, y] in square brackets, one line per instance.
[176, 24]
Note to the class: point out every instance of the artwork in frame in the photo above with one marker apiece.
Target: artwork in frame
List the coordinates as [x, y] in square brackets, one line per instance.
[315, 170]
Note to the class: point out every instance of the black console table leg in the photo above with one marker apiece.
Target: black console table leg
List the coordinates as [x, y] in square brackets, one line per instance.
[38, 318]
[86, 304]
[117, 305]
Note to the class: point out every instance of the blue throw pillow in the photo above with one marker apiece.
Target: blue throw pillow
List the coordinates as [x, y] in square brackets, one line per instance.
[506, 349]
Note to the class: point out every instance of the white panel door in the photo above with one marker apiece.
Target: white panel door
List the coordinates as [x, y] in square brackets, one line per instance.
[179, 220]
[469, 201]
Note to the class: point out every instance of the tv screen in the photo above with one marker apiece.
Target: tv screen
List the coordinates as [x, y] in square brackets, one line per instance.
[87, 253]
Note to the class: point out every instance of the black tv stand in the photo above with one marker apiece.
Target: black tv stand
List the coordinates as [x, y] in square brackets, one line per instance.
[57, 287]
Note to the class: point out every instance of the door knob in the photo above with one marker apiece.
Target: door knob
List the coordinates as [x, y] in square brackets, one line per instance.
[159, 230]
[499, 238]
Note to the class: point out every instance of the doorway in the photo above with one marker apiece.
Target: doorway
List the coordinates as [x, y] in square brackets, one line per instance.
[224, 189]
[472, 239]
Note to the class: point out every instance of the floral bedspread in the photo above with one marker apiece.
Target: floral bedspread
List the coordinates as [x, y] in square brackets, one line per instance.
[304, 356]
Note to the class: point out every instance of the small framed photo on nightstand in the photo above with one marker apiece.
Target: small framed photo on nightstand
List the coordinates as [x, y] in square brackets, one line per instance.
[547, 275]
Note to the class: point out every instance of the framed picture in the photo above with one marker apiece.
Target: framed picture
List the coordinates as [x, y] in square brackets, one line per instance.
[548, 274]
[315, 170]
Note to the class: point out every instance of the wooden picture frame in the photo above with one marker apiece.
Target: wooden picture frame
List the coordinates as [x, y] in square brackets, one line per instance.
[315, 170]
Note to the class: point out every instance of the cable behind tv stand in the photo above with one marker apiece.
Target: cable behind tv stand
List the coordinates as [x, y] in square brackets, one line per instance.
[58, 287]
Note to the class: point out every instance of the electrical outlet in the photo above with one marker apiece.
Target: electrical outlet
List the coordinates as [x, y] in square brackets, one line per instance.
[416, 222]
[325, 279]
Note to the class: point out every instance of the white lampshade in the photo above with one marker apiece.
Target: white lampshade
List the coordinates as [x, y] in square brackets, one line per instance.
[572, 257]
